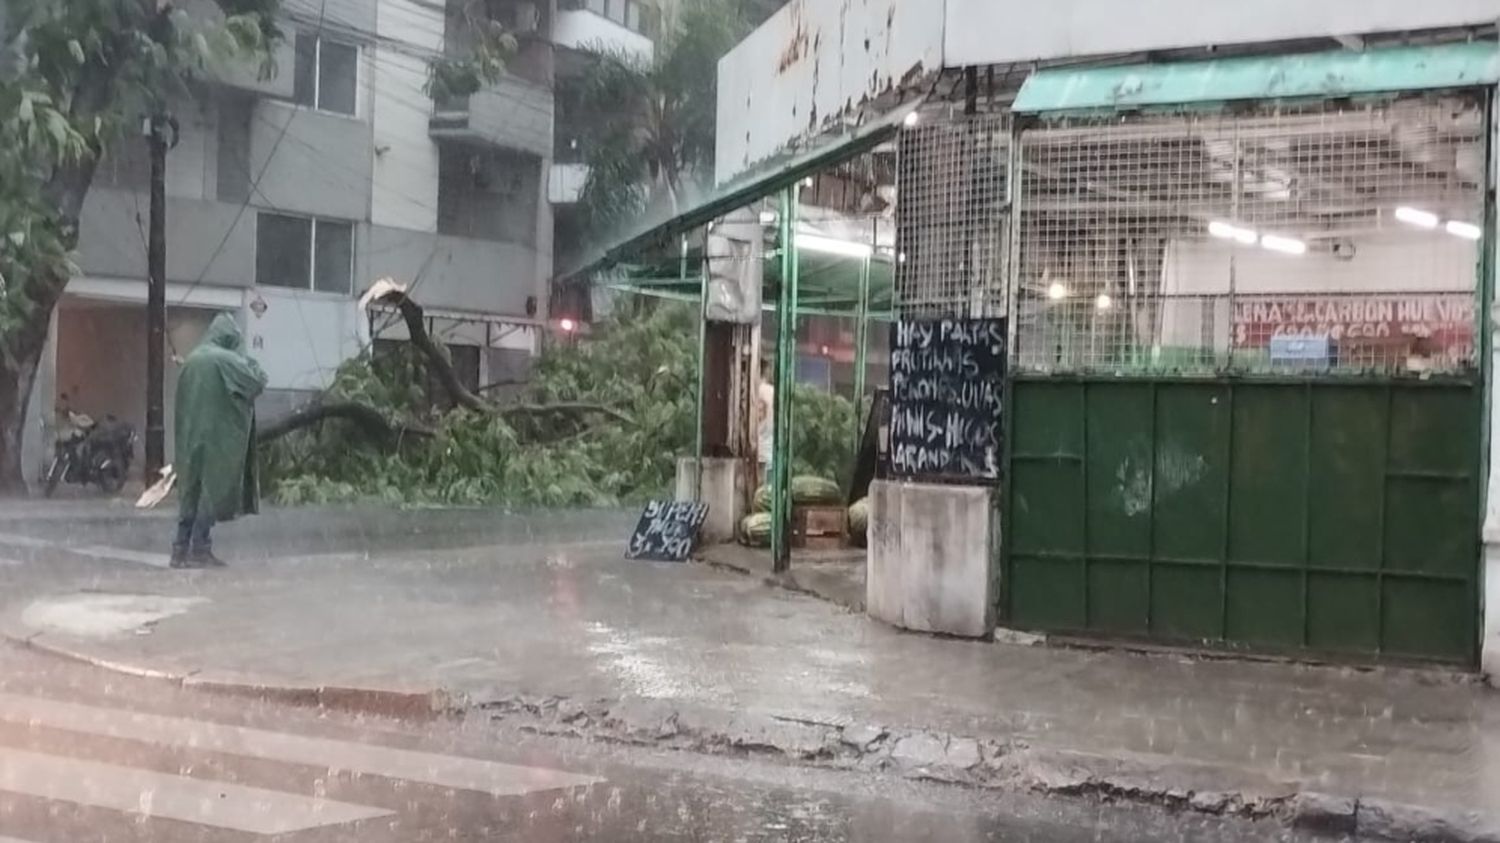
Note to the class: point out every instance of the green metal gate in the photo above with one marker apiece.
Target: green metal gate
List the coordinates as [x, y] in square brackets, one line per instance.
[1305, 516]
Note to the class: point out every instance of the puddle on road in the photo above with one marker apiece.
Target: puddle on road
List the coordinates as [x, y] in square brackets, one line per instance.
[104, 615]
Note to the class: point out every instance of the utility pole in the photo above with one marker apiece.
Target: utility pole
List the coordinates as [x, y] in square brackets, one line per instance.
[156, 299]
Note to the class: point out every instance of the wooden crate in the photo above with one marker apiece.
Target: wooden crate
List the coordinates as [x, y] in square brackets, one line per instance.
[820, 527]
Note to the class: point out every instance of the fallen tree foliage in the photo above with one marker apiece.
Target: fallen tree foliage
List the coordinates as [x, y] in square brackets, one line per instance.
[600, 424]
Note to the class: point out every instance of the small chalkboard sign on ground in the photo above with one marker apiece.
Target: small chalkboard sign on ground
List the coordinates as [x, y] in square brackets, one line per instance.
[667, 531]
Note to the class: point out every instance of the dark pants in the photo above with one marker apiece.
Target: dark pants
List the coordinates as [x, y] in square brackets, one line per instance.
[192, 533]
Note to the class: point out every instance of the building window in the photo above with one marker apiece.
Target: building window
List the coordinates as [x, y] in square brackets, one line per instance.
[304, 254]
[488, 195]
[326, 74]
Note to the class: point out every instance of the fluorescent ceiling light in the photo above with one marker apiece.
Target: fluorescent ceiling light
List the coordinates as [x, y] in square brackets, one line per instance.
[1285, 245]
[1466, 230]
[1104, 302]
[911, 119]
[1057, 291]
[1417, 217]
[767, 217]
[1226, 231]
[830, 246]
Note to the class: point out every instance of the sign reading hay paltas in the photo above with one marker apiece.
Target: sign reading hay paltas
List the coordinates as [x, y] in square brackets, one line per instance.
[667, 531]
[947, 396]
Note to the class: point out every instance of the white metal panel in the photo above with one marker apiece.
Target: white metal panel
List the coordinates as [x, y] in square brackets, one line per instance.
[814, 63]
[565, 183]
[303, 337]
[989, 32]
[582, 29]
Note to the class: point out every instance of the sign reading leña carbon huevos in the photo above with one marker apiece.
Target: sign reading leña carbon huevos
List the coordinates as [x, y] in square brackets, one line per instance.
[667, 531]
[947, 394]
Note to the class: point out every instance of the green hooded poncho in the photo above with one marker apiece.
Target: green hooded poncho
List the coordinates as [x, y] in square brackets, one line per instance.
[216, 394]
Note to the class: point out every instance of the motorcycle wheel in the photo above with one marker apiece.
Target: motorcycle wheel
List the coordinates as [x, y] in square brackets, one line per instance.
[111, 479]
[54, 476]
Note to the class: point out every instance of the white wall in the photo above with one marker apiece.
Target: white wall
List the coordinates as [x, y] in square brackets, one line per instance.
[1000, 31]
[192, 164]
[1394, 263]
[405, 187]
[813, 63]
[581, 29]
[1397, 262]
[302, 337]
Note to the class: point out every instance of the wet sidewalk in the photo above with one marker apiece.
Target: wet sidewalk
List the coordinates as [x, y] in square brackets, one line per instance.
[585, 630]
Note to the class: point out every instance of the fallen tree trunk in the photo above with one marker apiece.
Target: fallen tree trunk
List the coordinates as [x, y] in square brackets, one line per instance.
[370, 421]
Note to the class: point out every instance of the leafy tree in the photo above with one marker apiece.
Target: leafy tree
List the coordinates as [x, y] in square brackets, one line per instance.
[647, 126]
[75, 76]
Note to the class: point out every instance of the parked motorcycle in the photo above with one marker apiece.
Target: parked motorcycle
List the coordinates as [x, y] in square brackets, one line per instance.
[89, 453]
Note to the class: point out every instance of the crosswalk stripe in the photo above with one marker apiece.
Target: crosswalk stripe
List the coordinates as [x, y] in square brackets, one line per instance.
[455, 772]
[153, 794]
[4, 839]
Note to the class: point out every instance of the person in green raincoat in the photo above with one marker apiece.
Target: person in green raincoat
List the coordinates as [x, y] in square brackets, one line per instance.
[216, 466]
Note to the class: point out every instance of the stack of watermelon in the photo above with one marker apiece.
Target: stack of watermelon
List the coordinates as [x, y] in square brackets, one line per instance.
[755, 529]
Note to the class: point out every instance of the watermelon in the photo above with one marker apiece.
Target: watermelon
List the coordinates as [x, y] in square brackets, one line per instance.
[859, 517]
[806, 490]
[755, 530]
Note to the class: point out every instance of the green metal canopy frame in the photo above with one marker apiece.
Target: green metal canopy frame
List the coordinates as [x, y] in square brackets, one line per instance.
[828, 285]
[813, 284]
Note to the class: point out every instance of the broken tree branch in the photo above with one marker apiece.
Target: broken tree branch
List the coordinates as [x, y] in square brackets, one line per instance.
[568, 407]
[437, 359]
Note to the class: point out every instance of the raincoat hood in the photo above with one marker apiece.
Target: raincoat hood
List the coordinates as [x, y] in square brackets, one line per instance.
[224, 333]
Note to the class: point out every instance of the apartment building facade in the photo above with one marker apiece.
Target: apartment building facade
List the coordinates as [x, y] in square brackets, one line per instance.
[290, 192]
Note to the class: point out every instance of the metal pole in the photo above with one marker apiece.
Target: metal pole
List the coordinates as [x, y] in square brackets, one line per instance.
[861, 349]
[786, 344]
[702, 388]
[156, 302]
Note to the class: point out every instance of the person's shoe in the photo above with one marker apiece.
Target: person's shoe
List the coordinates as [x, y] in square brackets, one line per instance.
[206, 559]
[180, 558]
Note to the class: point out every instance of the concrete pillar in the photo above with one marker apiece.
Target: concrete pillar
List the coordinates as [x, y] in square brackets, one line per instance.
[1490, 609]
[726, 489]
[931, 558]
[39, 430]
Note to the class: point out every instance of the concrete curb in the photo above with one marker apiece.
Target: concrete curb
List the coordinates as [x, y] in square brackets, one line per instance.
[991, 764]
[998, 764]
[415, 704]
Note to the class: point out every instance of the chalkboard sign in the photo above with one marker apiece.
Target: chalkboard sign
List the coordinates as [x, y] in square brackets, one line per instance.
[667, 531]
[947, 395]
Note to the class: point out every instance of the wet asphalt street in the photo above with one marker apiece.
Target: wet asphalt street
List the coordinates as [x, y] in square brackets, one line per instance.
[87, 756]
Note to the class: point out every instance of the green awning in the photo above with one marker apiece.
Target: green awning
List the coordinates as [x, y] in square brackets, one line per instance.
[762, 182]
[1332, 74]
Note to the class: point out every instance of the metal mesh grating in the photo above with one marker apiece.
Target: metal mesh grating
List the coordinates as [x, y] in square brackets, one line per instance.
[1321, 239]
[952, 218]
